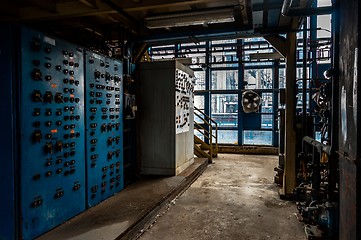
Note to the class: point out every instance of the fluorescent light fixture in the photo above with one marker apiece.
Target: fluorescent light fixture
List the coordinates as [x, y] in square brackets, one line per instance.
[204, 17]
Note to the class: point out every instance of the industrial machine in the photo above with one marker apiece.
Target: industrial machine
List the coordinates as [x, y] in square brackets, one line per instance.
[62, 115]
[166, 117]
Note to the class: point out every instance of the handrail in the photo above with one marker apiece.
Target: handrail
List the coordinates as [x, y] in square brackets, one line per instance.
[207, 133]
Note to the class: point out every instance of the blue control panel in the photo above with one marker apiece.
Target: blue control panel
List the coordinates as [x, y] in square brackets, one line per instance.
[7, 142]
[104, 127]
[52, 168]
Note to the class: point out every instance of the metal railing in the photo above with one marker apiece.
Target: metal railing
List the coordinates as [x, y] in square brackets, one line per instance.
[209, 130]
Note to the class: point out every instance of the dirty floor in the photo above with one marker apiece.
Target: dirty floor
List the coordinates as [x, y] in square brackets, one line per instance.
[235, 198]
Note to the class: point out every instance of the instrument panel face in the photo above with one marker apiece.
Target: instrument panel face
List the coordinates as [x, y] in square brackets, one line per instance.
[104, 127]
[52, 169]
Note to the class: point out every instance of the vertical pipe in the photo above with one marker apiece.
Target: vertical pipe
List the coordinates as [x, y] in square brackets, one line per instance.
[240, 87]
[304, 79]
[275, 81]
[335, 104]
[207, 96]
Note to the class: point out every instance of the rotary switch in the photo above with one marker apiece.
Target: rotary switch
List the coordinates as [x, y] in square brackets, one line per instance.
[37, 96]
[37, 136]
[48, 97]
[59, 98]
[59, 146]
[48, 148]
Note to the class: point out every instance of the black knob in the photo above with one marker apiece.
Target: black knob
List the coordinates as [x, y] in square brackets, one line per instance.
[48, 97]
[59, 97]
[36, 74]
[65, 62]
[65, 80]
[47, 65]
[36, 96]
[35, 46]
[48, 148]
[59, 146]
[48, 123]
[58, 123]
[37, 136]
[65, 71]
[47, 78]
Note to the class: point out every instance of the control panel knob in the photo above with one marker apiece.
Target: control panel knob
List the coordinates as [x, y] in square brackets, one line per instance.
[37, 136]
[59, 146]
[59, 98]
[48, 97]
[48, 148]
[37, 96]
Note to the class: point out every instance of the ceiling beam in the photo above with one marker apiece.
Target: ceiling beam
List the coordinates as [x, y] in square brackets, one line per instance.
[73, 9]
[89, 3]
[49, 6]
[130, 6]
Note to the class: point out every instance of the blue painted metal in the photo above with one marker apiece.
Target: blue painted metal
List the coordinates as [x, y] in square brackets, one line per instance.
[7, 141]
[52, 173]
[104, 123]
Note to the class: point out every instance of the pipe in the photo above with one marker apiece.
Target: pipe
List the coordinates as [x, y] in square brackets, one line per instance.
[304, 80]
[302, 12]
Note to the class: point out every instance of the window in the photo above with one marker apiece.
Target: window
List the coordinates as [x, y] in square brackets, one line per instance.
[228, 136]
[258, 78]
[224, 109]
[257, 137]
[200, 82]
[225, 80]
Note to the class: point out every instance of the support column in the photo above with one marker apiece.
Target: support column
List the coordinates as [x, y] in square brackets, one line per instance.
[289, 178]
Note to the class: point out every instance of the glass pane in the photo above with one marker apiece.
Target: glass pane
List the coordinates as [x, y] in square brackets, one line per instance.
[266, 121]
[257, 137]
[300, 100]
[198, 134]
[224, 109]
[282, 78]
[258, 78]
[200, 82]
[324, 22]
[225, 80]
[228, 136]
[267, 103]
[199, 102]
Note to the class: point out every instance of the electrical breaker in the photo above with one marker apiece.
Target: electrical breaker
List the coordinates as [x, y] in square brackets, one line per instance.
[51, 113]
[104, 124]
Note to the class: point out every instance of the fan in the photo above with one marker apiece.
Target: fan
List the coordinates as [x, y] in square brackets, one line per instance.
[250, 101]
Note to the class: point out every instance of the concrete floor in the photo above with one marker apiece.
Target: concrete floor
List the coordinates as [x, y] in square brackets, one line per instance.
[235, 198]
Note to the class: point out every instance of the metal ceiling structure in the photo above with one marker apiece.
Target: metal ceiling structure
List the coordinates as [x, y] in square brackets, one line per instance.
[106, 18]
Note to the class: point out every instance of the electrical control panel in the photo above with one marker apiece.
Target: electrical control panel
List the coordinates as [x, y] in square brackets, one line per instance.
[51, 111]
[104, 127]
[184, 87]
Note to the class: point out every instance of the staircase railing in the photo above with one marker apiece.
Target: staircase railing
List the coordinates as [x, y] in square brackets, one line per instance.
[209, 130]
